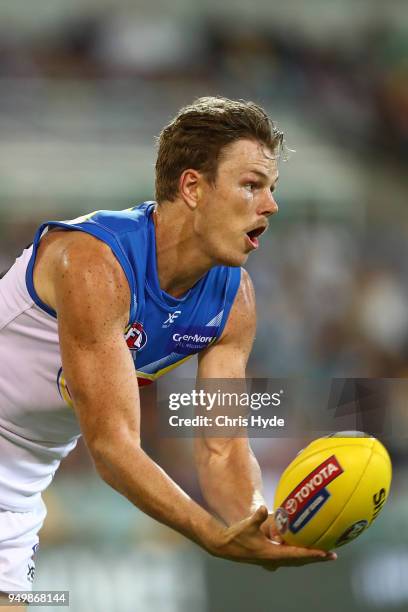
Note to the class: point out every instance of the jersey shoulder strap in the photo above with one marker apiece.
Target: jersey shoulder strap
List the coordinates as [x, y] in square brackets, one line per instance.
[125, 231]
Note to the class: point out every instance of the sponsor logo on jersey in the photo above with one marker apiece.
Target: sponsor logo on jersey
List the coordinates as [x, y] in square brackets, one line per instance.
[171, 318]
[135, 336]
[352, 532]
[63, 388]
[31, 571]
[311, 494]
[188, 340]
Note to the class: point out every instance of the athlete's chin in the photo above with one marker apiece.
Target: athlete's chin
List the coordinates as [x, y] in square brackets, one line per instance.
[234, 260]
[230, 253]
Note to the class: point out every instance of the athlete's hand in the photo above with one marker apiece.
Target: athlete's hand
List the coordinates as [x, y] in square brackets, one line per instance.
[268, 527]
[246, 542]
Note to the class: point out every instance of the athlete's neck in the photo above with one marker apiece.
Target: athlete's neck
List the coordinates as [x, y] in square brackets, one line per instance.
[180, 261]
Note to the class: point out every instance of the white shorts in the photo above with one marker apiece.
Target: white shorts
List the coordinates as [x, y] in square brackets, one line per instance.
[18, 545]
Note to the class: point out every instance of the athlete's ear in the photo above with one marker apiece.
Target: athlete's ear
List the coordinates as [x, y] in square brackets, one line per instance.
[190, 187]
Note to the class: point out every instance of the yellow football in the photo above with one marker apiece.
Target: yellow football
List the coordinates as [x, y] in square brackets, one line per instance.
[333, 490]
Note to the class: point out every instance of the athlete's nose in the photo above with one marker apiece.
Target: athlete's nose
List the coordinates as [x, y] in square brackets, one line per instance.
[269, 205]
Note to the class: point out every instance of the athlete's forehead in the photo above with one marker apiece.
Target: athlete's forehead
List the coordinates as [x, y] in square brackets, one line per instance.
[246, 156]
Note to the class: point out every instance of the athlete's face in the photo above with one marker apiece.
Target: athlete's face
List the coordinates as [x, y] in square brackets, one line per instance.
[233, 212]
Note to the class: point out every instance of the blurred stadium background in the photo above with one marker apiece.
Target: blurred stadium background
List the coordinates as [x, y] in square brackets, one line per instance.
[85, 85]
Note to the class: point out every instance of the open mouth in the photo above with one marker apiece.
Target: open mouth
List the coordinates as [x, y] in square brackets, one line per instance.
[253, 236]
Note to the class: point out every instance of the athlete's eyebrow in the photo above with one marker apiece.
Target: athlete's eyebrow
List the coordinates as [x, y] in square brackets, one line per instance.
[265, 176]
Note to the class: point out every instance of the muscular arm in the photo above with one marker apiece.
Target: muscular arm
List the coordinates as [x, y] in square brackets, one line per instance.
[92, 302]
[228, 471]
[87, 287]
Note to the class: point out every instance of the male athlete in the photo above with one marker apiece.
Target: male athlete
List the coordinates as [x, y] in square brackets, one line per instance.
[94, 299]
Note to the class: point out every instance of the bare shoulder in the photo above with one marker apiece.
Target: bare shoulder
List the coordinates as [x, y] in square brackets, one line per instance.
[241, 322]
[76, 266]
[228, 357]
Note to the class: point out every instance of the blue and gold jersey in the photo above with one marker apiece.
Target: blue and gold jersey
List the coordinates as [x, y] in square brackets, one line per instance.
[162, 331]
[38, 427]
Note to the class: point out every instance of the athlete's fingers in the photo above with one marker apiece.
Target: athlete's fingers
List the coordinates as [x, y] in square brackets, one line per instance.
[258, 517]
[332, 556]
[277, 563]
[272, 526]
[296, 552]
[277, 539]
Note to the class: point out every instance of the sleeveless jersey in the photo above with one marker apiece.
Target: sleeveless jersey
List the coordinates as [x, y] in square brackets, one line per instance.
[38, 426]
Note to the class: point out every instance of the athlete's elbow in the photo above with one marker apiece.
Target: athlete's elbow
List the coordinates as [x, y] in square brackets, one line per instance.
[104, 470]
[113, 454]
